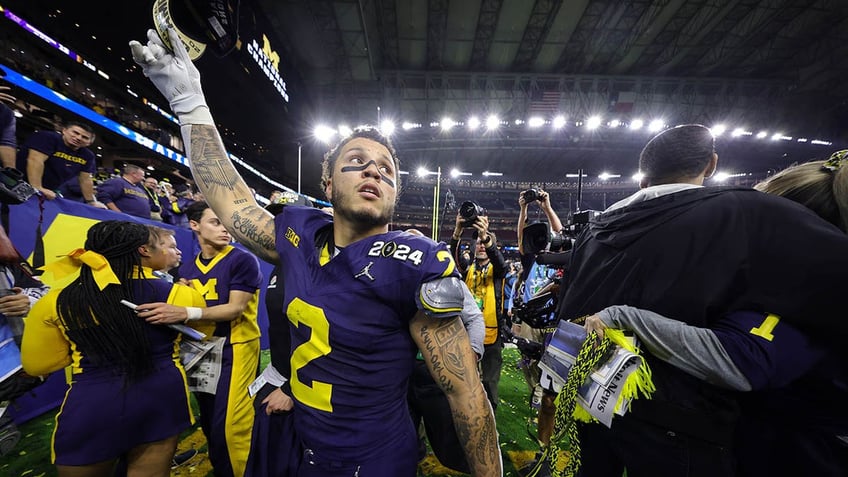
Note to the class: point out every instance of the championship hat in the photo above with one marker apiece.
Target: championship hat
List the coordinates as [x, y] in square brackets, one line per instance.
[201, 24]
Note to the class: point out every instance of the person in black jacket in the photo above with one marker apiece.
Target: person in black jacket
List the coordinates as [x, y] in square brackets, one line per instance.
[696, 253]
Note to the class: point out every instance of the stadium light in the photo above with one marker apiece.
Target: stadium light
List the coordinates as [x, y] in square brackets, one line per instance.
[473, 123]
[656, 125]
[718, 129]
[447, 123]
[345, 130]
[535, 122]
[387, 127]
[636, 124]
[638, 176]
[593, 122]
[559, 122]
[324, 133]
[492, 122]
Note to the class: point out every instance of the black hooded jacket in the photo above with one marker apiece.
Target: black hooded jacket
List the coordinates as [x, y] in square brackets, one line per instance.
[697, 254]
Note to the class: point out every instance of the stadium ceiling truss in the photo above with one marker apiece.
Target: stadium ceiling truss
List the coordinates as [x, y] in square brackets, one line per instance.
[776, 64]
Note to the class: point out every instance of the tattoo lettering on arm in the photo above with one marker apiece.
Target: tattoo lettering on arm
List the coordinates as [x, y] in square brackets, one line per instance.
[255, 228]
[447, 350]
[227, 193]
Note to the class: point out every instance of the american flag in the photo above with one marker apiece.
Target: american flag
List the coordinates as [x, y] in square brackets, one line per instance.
[544, 102]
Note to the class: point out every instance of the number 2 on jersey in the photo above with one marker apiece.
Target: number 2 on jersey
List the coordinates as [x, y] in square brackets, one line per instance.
[319, 394]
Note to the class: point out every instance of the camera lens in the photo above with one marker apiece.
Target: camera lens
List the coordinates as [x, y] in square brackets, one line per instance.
[530, 195]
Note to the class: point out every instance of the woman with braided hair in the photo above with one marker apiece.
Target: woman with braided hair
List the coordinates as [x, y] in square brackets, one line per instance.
[128, 394]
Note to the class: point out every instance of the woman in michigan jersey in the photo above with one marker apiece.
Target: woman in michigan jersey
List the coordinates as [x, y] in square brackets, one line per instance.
[128, 394]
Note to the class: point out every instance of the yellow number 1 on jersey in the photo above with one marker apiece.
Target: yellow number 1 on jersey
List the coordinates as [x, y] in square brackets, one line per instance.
[319, 394]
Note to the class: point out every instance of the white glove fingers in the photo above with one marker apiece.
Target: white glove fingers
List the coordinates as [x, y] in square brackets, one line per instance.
[153, 37]
[138, 52]
[178, 46]
[156, 50]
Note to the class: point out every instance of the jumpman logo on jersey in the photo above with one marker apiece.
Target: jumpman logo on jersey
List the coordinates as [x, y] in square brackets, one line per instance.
[366, 271]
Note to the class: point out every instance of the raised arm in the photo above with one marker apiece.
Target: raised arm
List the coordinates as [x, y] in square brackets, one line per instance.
[446, 350]
[553, 218]
[176, 77]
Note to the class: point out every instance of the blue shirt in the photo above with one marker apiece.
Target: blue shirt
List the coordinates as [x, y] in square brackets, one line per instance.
[62, 164]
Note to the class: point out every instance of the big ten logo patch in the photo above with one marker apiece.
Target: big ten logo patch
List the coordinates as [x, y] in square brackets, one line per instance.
[292, 237]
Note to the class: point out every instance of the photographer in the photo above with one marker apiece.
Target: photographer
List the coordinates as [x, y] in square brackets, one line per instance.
[534, 279]
[484, 277]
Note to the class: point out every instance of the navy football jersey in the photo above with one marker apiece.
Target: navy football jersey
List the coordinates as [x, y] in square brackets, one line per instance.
[352, 352]
[231, 269]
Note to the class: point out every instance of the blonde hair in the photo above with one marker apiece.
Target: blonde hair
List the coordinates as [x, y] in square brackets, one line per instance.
[821, 186]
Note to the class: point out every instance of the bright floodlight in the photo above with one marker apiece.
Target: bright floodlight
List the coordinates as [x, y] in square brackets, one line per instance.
[559, 122]
[615, 123]
[447, 124]
[473, 123]
[638, 176]
[656, 125]
[776, 136]
[636, 124]
[407, 125]
[593, 122]
[762, 134]
[387, 127]
[345, 130]
[721, 176]
[324, 133]
[737, 132]
[422, 171]
[718, 129]
[492, 122]
[535, 122]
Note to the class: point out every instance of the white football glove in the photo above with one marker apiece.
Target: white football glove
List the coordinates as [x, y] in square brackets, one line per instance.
[174, 75]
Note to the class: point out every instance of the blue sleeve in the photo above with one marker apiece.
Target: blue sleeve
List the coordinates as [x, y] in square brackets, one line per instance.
[90, 161]
[245, 274]
[110, 190]
[44, 142]
[768, 351]
[7, 126]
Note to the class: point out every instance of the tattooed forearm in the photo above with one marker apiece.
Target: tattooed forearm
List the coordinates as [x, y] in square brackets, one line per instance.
[210, 166]
[226, 192]
[445, 346]
[255, 230]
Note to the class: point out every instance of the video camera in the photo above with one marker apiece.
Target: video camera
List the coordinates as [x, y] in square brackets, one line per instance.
[469, 211]
[539, 311]
[13, 188]
[538, 239]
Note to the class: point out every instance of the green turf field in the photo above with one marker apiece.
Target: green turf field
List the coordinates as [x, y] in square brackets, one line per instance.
[31, 457]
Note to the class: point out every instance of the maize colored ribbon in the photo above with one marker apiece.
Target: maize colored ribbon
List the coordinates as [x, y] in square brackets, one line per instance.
[565, 426]
[71, 263]
[568, 413]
